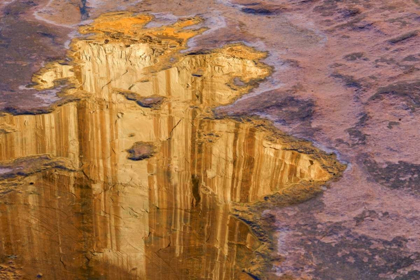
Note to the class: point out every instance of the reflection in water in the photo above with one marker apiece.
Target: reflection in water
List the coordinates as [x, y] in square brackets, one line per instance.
[75, 206]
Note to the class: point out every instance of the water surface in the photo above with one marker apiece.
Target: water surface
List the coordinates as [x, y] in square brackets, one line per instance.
[133, 177]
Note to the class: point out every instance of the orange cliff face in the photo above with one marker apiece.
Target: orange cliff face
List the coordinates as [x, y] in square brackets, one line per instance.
[75, 204]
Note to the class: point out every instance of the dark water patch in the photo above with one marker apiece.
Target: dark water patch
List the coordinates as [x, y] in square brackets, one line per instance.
[355, 56]
[408, 91]
[412, 58]
[257, 11]
[358, 137]
[402, 175]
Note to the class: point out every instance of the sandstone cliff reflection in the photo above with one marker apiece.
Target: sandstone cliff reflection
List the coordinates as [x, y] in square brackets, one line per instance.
[90, 212]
